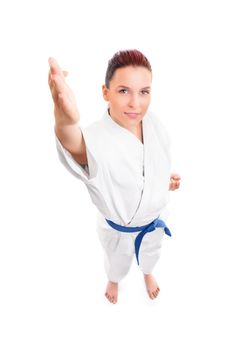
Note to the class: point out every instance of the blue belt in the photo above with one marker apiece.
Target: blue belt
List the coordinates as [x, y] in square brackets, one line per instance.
[144, 229]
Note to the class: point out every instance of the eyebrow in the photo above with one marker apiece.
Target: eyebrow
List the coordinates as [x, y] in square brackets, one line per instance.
[146, 87]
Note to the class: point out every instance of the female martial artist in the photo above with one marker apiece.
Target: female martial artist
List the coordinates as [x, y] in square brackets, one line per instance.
[123, 159]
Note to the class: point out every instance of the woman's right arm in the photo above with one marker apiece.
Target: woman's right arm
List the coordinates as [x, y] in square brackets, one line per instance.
[66, 113]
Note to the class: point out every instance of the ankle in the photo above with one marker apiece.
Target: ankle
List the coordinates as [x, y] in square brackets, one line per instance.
[114, 283]
[147, 275]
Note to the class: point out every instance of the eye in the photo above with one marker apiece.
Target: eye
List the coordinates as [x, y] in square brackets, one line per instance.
[121, 91]
[145, 92]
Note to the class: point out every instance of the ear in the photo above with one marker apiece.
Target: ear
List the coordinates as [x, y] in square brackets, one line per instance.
[105, 92]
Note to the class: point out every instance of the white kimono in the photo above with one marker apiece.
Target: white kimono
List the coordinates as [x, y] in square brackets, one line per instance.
[128, 183]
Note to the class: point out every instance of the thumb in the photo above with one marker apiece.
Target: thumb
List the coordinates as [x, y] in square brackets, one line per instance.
[175, 176]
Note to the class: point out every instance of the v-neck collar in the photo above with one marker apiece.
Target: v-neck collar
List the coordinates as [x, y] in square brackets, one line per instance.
[107, 115]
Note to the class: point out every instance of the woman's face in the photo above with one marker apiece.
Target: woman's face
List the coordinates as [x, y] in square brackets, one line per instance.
[129, 95]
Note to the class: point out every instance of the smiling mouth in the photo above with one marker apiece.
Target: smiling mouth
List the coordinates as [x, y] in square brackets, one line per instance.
[132, 115]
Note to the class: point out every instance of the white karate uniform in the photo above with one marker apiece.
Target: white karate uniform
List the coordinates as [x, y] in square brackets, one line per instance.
[128, 183]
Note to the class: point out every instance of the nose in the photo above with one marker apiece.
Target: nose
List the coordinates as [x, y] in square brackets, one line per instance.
[134, 101]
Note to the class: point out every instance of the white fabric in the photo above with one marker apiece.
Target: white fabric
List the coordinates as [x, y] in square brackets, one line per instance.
[114, 175]
[119, 249]
[127, 181]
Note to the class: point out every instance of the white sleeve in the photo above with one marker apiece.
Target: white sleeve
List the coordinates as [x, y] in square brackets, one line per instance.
[85, 173]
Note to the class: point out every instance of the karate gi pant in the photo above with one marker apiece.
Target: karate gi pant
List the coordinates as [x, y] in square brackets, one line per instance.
[119, 250]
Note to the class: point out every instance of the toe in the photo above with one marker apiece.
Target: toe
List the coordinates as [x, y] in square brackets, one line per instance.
[108, 297]
[155, 293]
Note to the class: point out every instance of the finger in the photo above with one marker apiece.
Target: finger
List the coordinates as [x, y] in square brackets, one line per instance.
[55, 86]
[173, 187]
[175, 175]
[54, 66]
[53, 92]
[49, 77]
[52, 87]
[51, 81]
[65, 73]
[58, 83]
[55, 69]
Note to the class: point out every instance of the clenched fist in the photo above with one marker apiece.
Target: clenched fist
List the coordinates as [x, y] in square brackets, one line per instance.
[174, 182]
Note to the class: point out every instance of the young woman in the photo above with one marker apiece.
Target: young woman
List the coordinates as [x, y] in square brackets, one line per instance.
[123, 159]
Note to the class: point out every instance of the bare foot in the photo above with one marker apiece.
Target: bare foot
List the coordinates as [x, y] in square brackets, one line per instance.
[151, 286]
[111, 292]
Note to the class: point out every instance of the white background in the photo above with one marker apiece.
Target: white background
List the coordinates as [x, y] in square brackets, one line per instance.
[52, 279]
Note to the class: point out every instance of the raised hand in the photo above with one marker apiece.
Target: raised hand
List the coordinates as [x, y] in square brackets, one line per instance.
[65, 107]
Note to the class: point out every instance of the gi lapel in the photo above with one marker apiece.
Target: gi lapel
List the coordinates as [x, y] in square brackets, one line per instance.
[156, 174]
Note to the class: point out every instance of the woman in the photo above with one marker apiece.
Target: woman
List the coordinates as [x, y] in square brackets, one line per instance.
[124, 161]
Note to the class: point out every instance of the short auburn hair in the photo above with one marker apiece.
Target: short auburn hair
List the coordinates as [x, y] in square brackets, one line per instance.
[125, 58]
